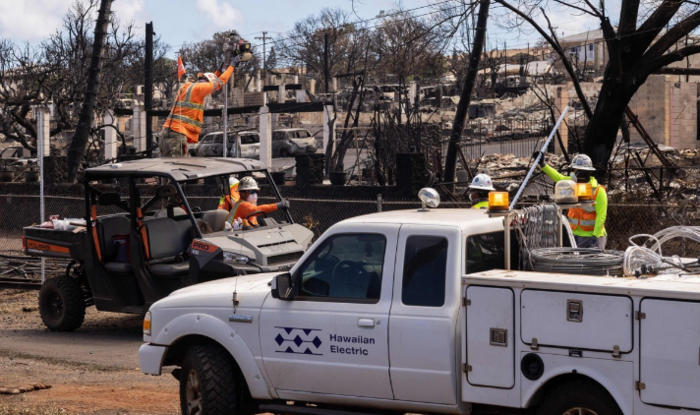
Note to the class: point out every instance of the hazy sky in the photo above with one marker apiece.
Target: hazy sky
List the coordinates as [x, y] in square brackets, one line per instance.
[180, 21]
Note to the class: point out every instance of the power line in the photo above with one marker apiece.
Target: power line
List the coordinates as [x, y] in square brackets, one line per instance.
[384, 16]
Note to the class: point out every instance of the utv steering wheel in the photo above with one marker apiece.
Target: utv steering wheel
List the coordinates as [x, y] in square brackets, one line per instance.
[256, 213]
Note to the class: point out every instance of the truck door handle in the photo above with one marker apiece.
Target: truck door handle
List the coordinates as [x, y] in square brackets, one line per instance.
[365, 322]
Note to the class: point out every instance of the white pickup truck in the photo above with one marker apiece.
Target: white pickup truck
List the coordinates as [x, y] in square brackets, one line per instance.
[411, 311]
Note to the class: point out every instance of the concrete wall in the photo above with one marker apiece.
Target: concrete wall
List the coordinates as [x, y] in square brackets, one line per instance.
[529, 98]
[668, 111]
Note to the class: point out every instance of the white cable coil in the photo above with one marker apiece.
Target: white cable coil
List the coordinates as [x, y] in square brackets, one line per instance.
[648, 257]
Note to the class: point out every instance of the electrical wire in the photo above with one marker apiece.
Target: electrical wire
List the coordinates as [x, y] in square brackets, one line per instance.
[648, 257]
[537, 228]
[586, 261]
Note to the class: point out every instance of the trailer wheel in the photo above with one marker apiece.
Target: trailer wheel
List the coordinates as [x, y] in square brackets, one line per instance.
[579, 398]
[207, 382]
[61, 303]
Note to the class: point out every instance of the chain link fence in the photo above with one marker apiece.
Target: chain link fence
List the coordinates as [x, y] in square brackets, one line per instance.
[624, 219]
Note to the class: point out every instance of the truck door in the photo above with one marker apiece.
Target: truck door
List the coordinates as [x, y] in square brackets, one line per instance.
[669, 348]
[423, 320]
[333, 337]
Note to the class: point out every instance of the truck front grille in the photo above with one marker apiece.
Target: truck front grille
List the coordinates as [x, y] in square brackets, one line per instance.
[280, 259]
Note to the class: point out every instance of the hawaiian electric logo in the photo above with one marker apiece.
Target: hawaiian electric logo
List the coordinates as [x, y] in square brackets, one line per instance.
[298, 340]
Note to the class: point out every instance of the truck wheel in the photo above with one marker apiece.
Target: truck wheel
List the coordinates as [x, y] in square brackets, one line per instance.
[61, 303]
[207, 382]
[579, 398]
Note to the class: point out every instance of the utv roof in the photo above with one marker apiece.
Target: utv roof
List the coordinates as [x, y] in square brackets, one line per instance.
[179, 169]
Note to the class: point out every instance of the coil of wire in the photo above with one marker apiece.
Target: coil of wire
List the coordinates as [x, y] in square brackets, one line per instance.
[586, 261]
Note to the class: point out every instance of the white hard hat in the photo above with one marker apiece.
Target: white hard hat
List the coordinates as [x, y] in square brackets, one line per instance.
[582, 162]
[248, 183]
[232, 181]
[482, 182]
[212, 78]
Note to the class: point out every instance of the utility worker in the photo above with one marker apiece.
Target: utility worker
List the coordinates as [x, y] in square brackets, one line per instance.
[184, 123]
[479, 191]
[587, 223]
[247, 204]
[227, 201]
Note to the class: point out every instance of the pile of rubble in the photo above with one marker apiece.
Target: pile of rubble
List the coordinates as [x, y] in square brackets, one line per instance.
[644, 175]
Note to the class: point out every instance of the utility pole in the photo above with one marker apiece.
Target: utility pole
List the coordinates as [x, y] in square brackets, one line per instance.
[264, 39]
[148, 89]
[326, 70]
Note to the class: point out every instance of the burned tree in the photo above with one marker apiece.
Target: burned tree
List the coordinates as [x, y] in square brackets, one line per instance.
[648, 37]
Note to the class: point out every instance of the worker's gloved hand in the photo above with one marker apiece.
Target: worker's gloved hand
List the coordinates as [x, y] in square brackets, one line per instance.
[235, 61]
[601, 242]
[283, 204]
[541, 154]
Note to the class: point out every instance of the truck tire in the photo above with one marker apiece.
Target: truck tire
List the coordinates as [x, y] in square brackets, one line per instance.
[579, 398]
[61, 303]
[207, 382]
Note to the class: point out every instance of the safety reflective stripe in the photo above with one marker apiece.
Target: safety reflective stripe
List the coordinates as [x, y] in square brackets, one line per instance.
[95, 239]
[186, 120]
[186, 102]
[584, 218]
[232, 215]
[188, 94]
[190, 105]
[582, 222]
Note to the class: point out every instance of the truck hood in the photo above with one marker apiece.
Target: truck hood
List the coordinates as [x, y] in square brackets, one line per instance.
[251, 292]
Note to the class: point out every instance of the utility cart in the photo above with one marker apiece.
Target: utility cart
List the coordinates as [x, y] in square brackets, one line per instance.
[141, 237]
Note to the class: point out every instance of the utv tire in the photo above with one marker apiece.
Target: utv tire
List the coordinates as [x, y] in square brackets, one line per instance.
[61, 303]
[578, 398]
[208, 382]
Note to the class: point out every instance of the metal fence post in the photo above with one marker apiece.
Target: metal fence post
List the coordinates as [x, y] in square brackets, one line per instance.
[43, 125]
[379, 202]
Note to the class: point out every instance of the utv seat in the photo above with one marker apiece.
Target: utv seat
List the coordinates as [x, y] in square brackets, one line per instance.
[168, 240]
[107, 228]
[215, 218]
[163, 213]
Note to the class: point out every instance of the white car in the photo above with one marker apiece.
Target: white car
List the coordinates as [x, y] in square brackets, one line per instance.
[292, 142]
[244, 144]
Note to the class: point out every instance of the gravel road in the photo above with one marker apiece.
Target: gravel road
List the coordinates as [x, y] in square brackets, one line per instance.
[92, 371]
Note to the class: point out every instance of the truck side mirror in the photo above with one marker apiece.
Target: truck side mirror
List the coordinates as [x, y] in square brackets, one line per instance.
[282, 287]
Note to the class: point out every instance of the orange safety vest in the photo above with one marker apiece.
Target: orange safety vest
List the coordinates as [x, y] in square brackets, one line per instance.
[187, 115]
[232, 215]
[246, 209]
[584, 217]
[226, 202]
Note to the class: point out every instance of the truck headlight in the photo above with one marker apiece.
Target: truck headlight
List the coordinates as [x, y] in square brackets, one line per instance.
[230, 256]
[147, 324]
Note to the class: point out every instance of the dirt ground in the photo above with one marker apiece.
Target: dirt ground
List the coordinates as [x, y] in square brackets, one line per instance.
[93, 371]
